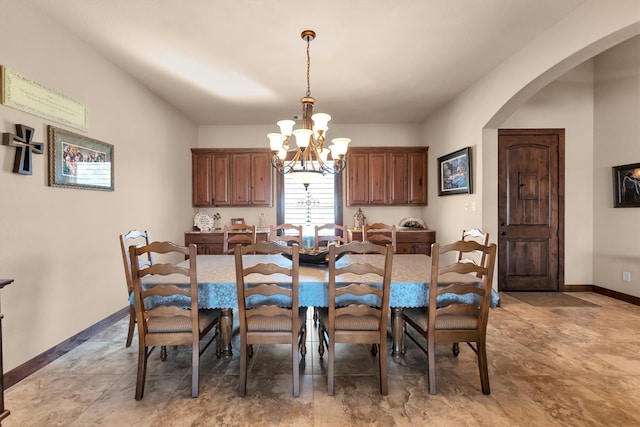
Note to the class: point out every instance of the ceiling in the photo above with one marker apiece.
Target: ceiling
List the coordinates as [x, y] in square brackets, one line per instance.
[243, 61]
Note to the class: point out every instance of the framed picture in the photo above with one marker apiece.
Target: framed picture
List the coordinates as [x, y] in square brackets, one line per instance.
[77, 161]
[626, 186]
[454, 173]
[235, 221]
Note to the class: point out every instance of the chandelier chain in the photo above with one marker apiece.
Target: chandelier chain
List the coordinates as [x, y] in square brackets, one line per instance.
[308, 68]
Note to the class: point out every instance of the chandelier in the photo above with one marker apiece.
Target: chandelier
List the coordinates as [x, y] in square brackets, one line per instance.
[308, 161]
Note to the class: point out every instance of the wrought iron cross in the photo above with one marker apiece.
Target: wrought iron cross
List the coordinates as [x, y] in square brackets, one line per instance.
[24, 145]
[307, 203]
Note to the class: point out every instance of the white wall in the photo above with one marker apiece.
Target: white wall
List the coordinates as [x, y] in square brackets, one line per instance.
[60, 245]
[568, 103]
[617, 142]
[361, 135]
[471, 119]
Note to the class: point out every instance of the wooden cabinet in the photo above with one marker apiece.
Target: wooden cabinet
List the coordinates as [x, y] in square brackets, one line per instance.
[211, 243]
[387, 176]
[225, 177]
[210, 179]
[407, 241]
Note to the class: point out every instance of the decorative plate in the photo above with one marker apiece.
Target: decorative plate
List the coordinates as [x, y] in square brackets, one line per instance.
[413, 223]
[203, 221]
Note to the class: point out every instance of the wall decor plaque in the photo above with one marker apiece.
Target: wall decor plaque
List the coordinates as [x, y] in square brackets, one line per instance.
[26, 95]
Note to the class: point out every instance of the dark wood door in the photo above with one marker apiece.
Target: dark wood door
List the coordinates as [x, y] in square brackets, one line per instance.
[530, 209]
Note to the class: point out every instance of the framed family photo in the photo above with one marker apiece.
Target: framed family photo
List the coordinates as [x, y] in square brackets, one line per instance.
[626, 186]
[454, 173]
[77, 161]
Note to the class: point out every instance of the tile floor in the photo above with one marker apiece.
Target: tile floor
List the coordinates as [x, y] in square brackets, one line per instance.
[549, 366]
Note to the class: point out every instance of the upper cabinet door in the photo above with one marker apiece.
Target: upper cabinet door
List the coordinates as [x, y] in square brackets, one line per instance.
[417, 185]
[241, 172]
[378, 179]
[357, 178]
[261, 173]
[221, 182]
[201, 181]
[398, 175]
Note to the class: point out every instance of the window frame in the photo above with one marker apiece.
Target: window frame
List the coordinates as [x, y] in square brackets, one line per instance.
[337, 198]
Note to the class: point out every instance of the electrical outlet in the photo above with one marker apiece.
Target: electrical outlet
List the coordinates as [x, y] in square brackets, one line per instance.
[626, 276]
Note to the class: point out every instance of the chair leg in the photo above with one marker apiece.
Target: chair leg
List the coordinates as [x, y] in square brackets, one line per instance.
[302, 339]
[331, 347]
[431, 355]
[242, 386]
[382, 369]
[163, 353]
[132, 325]
[142, 371]
[296, 369]
[320, 341]
[455, 349]
[195, 368]
[483, 367]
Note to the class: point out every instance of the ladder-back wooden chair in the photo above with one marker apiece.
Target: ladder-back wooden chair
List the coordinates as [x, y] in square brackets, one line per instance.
[477, 236]
[133, 237]
[167, 311]
[380, 234]
[237, 235]
[358, 308]
[338, 235]
[268, 311]
[464, 320]
[286, 234]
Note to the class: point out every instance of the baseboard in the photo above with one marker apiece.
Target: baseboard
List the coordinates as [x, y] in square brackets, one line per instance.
[617, 295]
[21, 372]
[578, 288]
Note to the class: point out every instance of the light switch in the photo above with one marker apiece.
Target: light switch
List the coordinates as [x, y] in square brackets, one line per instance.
[473, 206]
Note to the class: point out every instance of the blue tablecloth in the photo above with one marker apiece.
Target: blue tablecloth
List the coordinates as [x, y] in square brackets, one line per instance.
[409, 281]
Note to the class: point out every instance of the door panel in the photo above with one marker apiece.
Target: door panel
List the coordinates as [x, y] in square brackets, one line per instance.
[529, 206]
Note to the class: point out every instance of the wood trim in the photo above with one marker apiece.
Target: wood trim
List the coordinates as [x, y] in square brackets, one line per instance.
[230, 150]
[578, 288]
[616, 295]
[603, 291]
[29, 367]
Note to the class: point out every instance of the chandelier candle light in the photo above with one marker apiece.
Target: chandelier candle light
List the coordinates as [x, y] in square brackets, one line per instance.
[310, 160]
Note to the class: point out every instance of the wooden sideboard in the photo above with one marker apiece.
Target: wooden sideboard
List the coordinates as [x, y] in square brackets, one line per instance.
[210, 243]
[410, 241]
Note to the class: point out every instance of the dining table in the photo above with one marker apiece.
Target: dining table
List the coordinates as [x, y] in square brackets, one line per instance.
[409, 287]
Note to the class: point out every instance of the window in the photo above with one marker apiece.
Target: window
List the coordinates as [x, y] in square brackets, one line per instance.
[321, 204]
